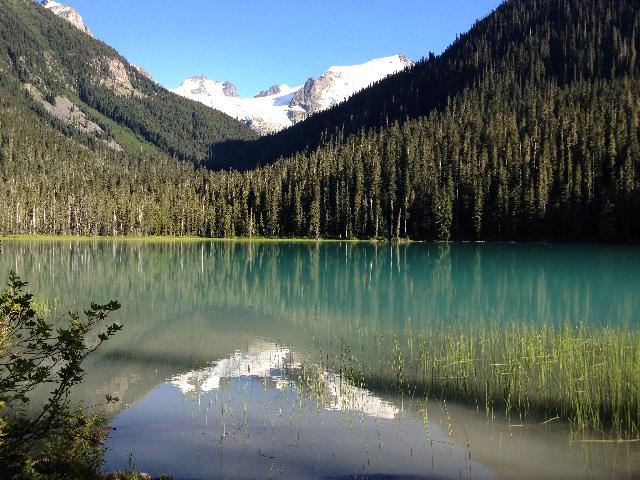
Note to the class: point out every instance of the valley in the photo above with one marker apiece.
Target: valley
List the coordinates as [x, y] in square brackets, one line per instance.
[393, 267]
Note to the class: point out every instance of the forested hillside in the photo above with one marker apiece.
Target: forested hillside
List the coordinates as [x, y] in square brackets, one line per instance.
[574, 177]
[539, 138]
[55, 59]
[523, 44]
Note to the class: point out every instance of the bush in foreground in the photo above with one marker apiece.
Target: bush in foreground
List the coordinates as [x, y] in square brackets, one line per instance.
[51, 440]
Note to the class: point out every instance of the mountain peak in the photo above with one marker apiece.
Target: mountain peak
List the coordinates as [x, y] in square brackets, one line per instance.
[199, 85]
[281, 106]
[196, 78]
[230, 90]
[384, 65]
[71, 15]
[340, 82]
[272, 90]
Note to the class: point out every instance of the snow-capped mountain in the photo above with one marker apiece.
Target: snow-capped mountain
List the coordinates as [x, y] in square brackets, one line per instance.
[280, 106]
[339, 83]
[267, 112]
[69, 14]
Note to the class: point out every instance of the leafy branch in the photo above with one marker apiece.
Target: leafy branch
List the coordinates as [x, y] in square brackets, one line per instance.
[35, 353]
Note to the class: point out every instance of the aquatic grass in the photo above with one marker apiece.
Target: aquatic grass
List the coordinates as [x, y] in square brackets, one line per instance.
[41, 306]
[587, 376]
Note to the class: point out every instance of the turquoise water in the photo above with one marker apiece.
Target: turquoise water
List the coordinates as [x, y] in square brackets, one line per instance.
[206, 367]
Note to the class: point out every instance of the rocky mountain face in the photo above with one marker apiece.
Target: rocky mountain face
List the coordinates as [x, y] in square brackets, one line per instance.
[69, 14]
[68, 113]
[109, 71]
[229, 89]
[143, 72]
[115, 69]
[273, 90]
[281, 106]
[339, 83]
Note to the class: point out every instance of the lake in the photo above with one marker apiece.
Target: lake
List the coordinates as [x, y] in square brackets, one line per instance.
[220, 366]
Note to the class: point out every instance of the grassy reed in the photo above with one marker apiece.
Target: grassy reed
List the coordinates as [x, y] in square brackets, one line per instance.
[587, 376]
[41, 306]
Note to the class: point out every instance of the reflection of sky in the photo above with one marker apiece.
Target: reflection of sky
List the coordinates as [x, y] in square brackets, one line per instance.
[271, 362]
[245, 417]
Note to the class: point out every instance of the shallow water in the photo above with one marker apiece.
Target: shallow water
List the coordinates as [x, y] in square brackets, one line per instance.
[209, 366]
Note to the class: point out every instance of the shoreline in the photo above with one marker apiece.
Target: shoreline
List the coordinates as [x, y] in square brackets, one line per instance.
[169, 238]
[394, 241]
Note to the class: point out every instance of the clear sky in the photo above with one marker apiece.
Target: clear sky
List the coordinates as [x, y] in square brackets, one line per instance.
[259, 43]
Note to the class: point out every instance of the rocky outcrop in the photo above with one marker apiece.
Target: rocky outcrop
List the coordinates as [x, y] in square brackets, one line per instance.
[273, 90]
[230, 89]
[310, 97]
[69, 14]
[297, 115]
[112, 73]
[67, 112]
[142, 71]
[262, 126]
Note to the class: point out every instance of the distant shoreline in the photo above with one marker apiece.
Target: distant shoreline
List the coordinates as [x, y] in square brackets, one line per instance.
[377, 241]
[168, 238]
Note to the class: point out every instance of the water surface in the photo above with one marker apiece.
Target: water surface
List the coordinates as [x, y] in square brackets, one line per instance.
[208, 366]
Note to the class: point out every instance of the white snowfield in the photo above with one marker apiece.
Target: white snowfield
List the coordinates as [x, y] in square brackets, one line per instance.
[272, 108]
[280, 110]
[353, 78]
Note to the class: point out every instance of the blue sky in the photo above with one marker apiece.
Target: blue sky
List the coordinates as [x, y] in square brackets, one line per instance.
[256, 44]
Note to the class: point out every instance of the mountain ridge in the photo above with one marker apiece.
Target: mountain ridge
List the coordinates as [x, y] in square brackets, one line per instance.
[46, 55]
[469, 61]
[270, 110]
[281, 106]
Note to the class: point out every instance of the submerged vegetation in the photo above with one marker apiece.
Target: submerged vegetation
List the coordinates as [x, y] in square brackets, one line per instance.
[583, 375]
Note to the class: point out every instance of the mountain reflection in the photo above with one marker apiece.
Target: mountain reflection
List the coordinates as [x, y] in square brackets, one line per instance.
[263, 406]
[185, 303]
[262, 360]
[276, 365]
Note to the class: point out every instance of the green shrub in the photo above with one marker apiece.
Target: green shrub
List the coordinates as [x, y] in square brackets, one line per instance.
[51, 440]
